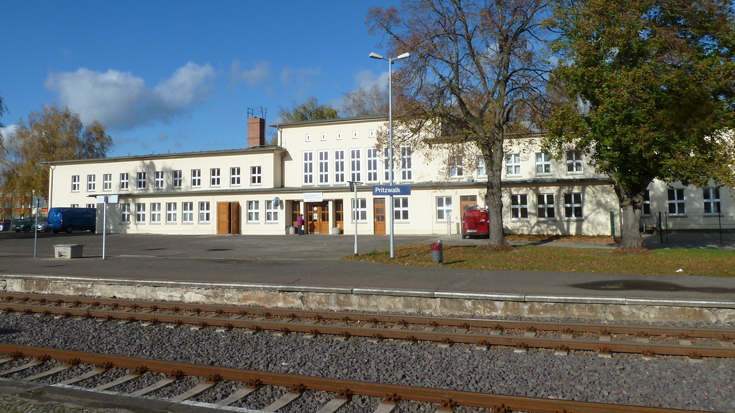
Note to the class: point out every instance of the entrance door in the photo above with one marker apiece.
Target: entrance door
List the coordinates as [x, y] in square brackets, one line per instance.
[317, 217]
[465, 201]
[295, 211]
[339, 214]
[379, 214]
[228, 217]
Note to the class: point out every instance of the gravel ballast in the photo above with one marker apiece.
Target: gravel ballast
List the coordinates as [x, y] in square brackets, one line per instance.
[668, 382]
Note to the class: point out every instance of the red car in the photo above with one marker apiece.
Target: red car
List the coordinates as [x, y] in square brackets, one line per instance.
[475, 222]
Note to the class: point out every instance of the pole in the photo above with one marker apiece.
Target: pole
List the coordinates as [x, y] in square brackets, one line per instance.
[390, 142]
[35, 233]
[104, 227]
[354, 215]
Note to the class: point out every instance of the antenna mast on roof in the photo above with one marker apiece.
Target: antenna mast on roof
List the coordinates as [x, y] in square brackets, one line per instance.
[257, 110]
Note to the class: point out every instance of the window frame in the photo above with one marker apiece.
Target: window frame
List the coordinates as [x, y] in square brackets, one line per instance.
[187, 212]
[177, 178]
[356, 164]
[171, 213]
[513, 164]
[107, 182]
[253, 211]
[445, 209]
[713, 199]
[196, 178]
[204, 212]
[234, 176]
[371, 159]
[543, 207]
[140, 213]
[456, 167]
[75, 183]
[307, 168]
[574, 161]
[481, 169]
[519, 207]
[406, 153]
[124, 181]
[158, 180]
[124, 213]
[256, 175]
[572, 206]
[646, 204]
[676, 202]
[400, 209]
[91, 182]
[543, 162]
[339, 166]
[361, 210]
[155, 212]
[141, 180]
[215, 177]
[323, 167]
[271, 211]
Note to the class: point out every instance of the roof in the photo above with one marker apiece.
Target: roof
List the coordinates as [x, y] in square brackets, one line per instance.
[224, 152]
[335, 120]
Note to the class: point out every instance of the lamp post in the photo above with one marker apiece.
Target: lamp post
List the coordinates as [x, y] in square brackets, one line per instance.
[353, 186]
[390, 135]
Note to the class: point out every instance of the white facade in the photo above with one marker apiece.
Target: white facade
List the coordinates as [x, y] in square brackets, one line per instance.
[308, 172]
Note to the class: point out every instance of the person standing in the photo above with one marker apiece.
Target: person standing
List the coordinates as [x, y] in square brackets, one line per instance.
[300, 224]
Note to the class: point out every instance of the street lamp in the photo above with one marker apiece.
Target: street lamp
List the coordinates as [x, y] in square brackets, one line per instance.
[353, 187]
[390, 134]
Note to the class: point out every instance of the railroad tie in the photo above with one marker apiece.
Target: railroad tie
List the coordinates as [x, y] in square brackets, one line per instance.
[124, 379]
[282, 402]
[333, 405]
[6, 360]
[153, 387]
[47, 373]
[20, 368]
[84, 376]
[234, 397]
[384, 407]
[193, 391]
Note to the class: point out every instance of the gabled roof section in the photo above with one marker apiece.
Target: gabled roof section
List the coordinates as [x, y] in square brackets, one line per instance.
[225, 152]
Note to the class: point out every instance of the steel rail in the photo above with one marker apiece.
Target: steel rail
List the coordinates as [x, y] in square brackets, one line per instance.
[391, 392]
[727, 334]
[479, 339]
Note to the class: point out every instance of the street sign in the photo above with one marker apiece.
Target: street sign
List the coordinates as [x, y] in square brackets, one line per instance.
[39, 202]
[392, 190]
[108, 199]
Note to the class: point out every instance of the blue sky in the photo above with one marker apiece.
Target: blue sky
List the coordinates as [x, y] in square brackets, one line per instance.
[178, 76]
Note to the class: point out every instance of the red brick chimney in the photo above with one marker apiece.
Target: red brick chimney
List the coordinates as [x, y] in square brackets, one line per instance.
[256, 131]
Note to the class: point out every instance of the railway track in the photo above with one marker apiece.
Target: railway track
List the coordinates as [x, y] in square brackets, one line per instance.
[446, 400]
[604, 339]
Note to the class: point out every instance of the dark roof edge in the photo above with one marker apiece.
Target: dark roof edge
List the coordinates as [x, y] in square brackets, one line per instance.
[221, 152]
[335, 120]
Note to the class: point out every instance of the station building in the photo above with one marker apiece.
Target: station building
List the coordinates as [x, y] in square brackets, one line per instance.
[262, 189]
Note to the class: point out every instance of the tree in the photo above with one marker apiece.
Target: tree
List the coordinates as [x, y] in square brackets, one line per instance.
[54, 134]
[311, 110]
[372, 101]
[474, 67]
[652, 93]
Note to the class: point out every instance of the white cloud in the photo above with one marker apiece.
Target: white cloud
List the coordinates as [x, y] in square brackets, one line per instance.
[255, 77]
[302, 78]
[367, 78]
[8, 130]
[120, 100]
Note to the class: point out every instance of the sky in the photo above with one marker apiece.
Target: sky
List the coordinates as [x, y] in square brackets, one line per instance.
[179, 76]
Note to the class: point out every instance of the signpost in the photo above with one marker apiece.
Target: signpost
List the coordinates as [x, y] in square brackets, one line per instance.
[106, 199]
[38, 202]
[391, 190]
[353, 187]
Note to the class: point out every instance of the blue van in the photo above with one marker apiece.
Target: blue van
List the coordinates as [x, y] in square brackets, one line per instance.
[70, 219]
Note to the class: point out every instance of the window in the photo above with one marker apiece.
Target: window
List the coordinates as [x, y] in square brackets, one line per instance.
[75, 205]
[125, 213]
[481, 166]
[646, 207]
[386, 165]
[204, 211]
[171, 212]
[90, 182]
[155, 212]
[308, 168]
[406, 171]
[324, 136]
[323, 167]
[158, 181]
[339, 135]
[235, 176]
[518, 207]
[255, 176]
[140, 213]
[545, 205]
[574, 162]
[339, 166]
[360, 211]
[271, 211]
[455, 167]
[676, 202]
[354, 135]
[107, 182]
[187, 212]
[178, 177]
[443, 208]
[91, 205]
[711, 198]
[196, 177]
[573, 205]
[512, 164]
[141, 180]
[400, 208]
[355, 165]
[253, 211]
[75, 183]
[123, 182]
[371, 133]
[308, 138]
[543, 164]
[372, 165]
[214, 177]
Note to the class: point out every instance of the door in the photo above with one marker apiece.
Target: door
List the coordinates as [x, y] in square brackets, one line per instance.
[295, 211]
[466, 201]
[317, 217]
[223, 217]
[379, 214]
[234, 218]
[339, 214]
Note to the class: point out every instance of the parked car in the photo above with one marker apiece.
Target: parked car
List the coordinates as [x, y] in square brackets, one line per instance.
[475, 222]
[42, 225]
[5, 225]
[70, 219]
[23, 225]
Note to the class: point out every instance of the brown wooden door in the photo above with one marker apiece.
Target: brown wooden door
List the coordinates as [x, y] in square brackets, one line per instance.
[324, 218]
[223, 217]
[317, 217]
[234, 217]
[295, 211]
[465, 201]
[379, 214]
[339, 214]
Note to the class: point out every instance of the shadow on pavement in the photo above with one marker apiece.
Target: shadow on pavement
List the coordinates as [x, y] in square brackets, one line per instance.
[644, 285]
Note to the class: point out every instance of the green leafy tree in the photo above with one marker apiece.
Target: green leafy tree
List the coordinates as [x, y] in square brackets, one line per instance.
[652, 93]
[310, 110]
[54, 134]
[476, 70]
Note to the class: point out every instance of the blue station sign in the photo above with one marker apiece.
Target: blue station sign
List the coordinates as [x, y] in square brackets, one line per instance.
[392, 190]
